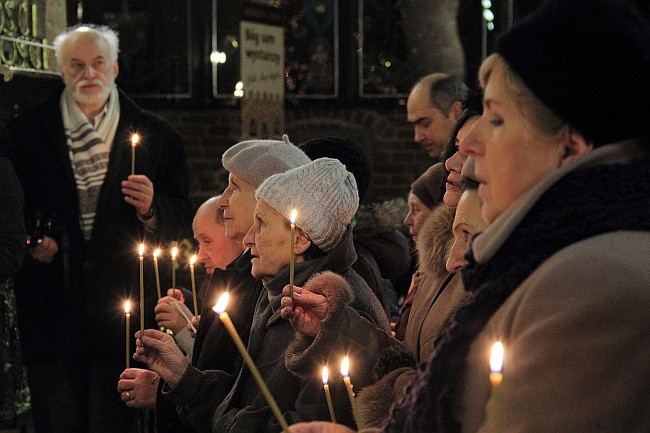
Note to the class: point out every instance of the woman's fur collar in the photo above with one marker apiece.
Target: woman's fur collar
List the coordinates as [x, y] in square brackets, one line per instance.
[435, 240]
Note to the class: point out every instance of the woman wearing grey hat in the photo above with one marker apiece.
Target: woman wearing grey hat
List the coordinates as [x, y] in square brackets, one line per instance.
[561, 275]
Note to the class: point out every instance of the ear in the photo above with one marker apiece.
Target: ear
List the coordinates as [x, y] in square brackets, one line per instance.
[302, 242]
[575, 146]
[455, 111]
[116, 69]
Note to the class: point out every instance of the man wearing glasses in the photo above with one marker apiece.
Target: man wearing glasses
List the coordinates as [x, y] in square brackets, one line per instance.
[74, 157]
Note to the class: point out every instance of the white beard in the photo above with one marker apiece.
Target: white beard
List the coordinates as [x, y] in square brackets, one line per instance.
[99, 98]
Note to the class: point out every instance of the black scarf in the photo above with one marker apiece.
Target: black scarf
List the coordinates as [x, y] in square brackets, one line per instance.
[583, 204]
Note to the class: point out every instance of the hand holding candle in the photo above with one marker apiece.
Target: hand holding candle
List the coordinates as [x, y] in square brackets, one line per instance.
[292, 262]
[220, 309]
[135, 139]
[496, 363]
[345, 365]
[174, 265]
[326, 388]
[192, 262]
[141, 260]
[127, 313]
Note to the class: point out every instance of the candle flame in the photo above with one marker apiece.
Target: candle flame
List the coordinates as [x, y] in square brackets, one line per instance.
[174, 252]
[156, 252]
[141, 250]
[193, 260]
[294, 215]
[345, 366]
[135, 139]
[127, 307]
[325, 375]
[220, 306]
[496, 357]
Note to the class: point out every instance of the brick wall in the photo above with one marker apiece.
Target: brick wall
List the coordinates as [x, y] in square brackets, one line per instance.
[384, 134]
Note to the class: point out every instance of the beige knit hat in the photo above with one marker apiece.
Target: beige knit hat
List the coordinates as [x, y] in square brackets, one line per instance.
[255, 160]
[323, 192]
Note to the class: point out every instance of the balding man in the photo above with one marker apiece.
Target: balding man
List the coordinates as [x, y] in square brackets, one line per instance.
[434, 104]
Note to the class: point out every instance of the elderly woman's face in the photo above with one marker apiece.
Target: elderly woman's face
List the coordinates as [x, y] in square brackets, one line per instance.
[418, 213]
[511, 154]
[268, 240]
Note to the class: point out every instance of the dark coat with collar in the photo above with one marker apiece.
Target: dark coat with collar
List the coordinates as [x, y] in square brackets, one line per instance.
[240, 406]
[75, 302]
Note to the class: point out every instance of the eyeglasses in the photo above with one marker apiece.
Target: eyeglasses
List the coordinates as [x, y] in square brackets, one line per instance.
[77, 67]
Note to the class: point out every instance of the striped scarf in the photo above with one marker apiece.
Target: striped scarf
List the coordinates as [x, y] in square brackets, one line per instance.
[89, 150]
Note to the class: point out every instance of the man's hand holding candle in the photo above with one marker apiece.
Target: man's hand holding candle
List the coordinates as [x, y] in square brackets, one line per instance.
[159, 352]
[138, 192]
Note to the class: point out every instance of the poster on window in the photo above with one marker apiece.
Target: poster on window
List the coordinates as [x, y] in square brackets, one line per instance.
[262, 74]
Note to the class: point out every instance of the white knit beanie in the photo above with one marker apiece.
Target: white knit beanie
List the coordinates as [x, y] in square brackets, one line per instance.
[323, 192]
[255, 160]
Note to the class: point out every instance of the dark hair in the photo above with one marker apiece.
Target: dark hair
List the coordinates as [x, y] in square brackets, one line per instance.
[348, 152]
[474, 108]
[446, 91]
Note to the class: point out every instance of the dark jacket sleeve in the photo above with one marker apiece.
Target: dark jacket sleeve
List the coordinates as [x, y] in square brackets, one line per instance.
[12, 228]
[198, 394]
[170, 177]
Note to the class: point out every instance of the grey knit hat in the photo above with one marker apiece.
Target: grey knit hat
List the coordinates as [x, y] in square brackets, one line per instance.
[255, 160]
[323, 192]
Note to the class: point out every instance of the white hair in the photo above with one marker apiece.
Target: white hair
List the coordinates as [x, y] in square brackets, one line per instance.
[109, 35]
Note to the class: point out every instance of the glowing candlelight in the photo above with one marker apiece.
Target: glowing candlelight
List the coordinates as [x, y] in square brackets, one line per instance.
[156, 254]
[345, 366]
[127, 311]
[192, 262]
[174, 265]
[292, 262]
[220, 309]
[141, 260]
[496, 363]
[326, 387]
[135, 139]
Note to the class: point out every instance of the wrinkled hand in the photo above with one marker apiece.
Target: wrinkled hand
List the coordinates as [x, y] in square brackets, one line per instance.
[195, 323]
[138, 192]
[159, 352]
[138, 388]
[45, 251]
[306, 312]
[319, 427]
[168, 317]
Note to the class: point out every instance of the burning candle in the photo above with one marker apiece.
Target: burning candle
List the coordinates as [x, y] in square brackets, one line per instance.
[135, 139]
[496, 363]
[141, 260]
[292, 262]
[127, 311]
[326, 387]
[156, 254]
[174, 265]
[345, 366]
[192, 262]
[220, 309]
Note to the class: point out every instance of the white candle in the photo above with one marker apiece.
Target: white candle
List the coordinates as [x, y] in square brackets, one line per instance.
[345, 366]
[135, 139]
[496, 364]
[292, 262]
[156, 254]
[192, 262]
[220, 309]
[174, 264]
[141, 262]
[127, 312]
[326, 388]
